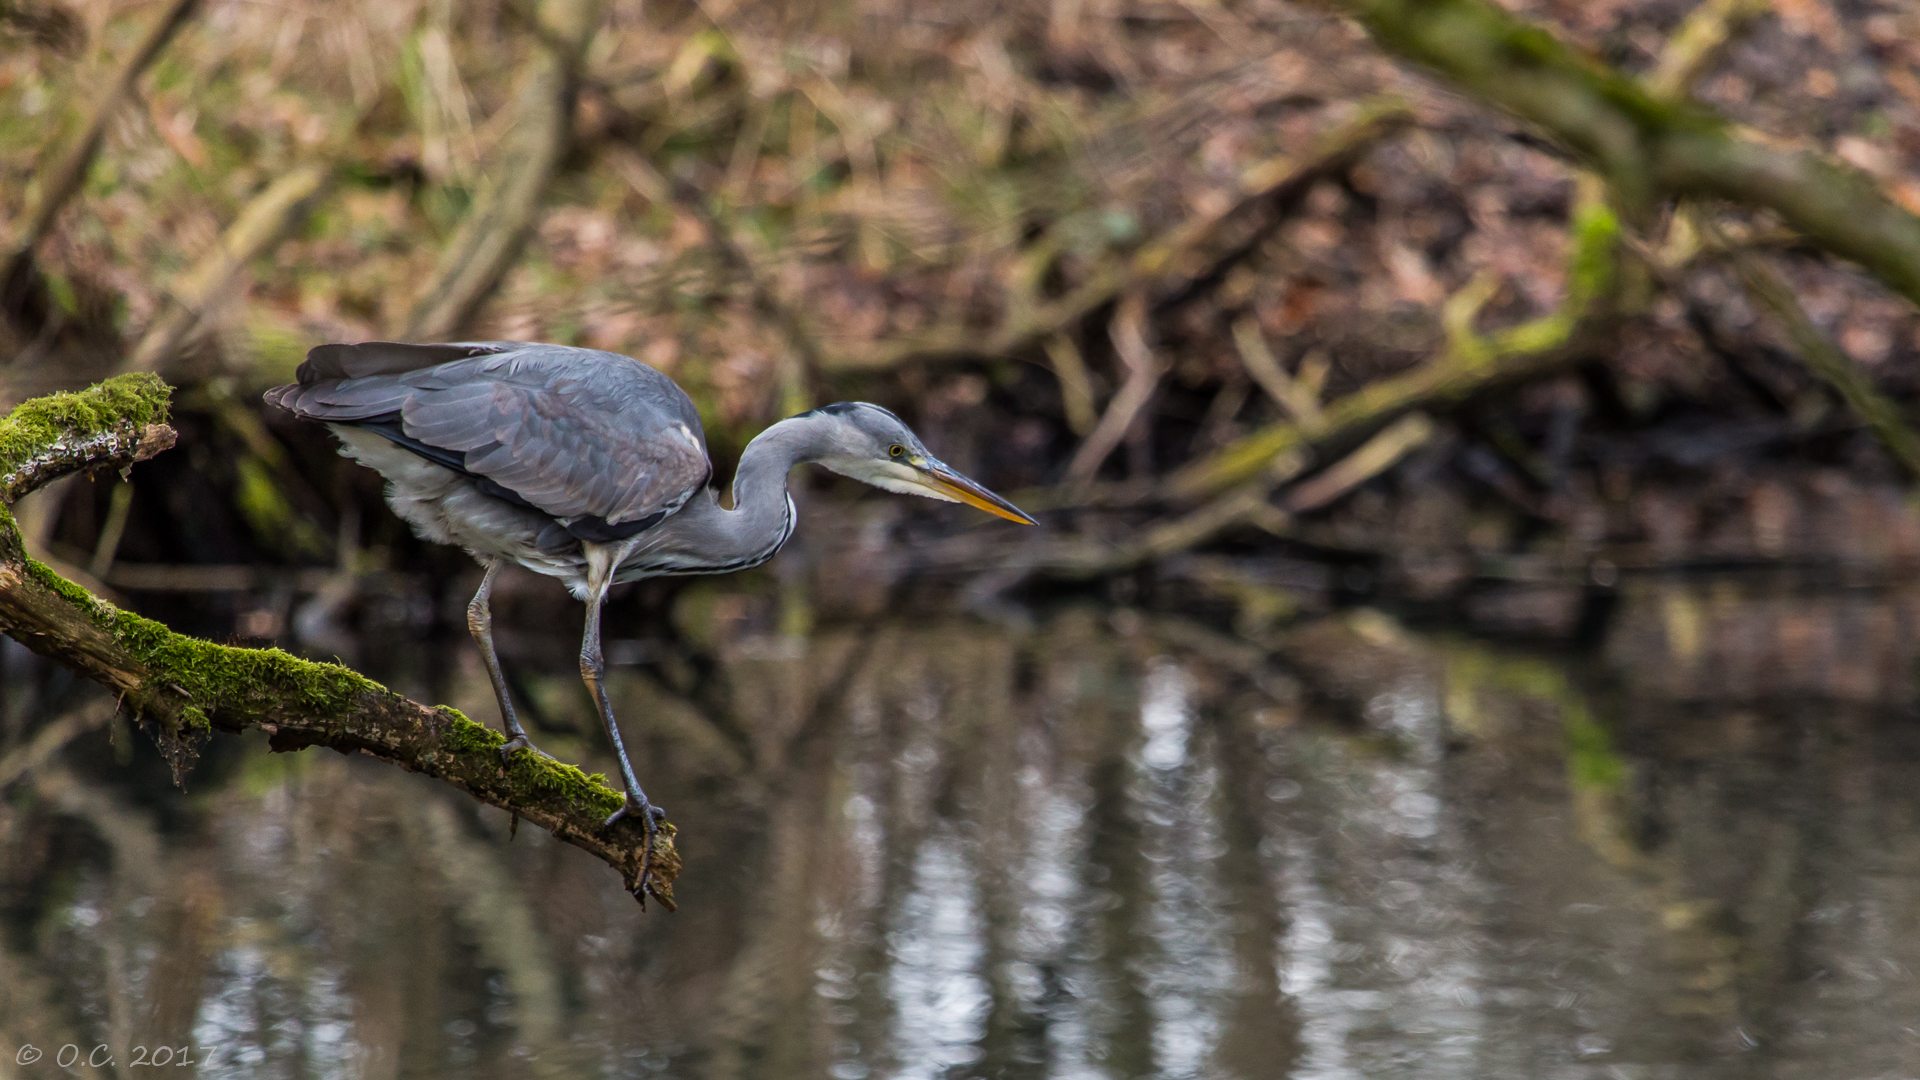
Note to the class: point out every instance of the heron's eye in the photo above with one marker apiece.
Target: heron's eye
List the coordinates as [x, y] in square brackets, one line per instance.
[896, 450]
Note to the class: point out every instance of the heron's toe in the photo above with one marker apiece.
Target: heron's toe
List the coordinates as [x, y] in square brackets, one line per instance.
[649, 816]
[519, 742]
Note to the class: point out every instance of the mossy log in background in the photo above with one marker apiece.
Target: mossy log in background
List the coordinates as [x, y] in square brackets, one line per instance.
[181, 689]
[1648, 147]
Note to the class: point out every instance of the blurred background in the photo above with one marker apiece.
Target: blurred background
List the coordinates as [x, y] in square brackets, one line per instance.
[1473, 631]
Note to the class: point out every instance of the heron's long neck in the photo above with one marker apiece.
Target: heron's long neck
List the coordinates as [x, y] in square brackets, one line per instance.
[761, 518]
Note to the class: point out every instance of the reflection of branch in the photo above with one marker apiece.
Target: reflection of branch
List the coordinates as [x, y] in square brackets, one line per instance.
[182, 688]
[496, 914]
[61, 180]
[53, 737]
[1649, 148]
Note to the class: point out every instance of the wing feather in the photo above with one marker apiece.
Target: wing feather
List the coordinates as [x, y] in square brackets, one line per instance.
[577, 433]
[369, 358]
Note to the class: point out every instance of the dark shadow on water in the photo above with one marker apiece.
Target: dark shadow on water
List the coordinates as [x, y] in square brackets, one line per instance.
[945, 849]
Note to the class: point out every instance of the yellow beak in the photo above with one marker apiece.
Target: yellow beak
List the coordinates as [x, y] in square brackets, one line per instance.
[937, 476]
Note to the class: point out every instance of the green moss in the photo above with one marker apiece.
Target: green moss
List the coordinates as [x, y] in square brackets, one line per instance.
[213, 676]
[1590, 274]
[1595, 232]
[464, 736]
[68, 591]
[133, 400]
[538, 774]
[533, 774]
[1593, 762]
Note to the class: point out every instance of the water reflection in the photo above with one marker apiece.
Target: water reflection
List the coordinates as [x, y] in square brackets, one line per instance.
[1085, 850]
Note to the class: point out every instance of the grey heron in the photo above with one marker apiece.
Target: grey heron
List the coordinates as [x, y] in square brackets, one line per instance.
[586, 466]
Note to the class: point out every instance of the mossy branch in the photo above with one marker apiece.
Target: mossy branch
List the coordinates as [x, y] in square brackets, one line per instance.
[182, 689]
[1648, 147]
[109, 426]
[1472, 363]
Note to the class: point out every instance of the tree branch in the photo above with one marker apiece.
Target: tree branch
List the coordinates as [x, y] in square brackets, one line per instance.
[1829, 362]
[1470, 364]
[271, 215]
[182, 689]
[61, 179]
[1193, 251]
[506, 210]
[1648, 147]
[1699, 41]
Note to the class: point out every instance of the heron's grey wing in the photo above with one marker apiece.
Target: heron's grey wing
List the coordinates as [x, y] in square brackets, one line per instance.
[578, 434]
[318, 392]
[598, 439]
[370, 358]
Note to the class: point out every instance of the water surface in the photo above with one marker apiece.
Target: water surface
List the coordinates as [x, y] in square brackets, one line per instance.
[1110, 844]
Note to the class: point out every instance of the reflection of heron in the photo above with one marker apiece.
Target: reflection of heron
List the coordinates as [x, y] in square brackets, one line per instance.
[586, 466]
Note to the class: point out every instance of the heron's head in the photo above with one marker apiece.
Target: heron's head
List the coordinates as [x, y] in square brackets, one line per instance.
[871, 445]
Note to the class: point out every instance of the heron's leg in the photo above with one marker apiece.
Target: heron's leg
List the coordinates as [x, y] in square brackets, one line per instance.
[602, 560]
[480, 625]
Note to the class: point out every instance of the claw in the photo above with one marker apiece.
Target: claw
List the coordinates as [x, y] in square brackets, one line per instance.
[519, 742]
[650, 818]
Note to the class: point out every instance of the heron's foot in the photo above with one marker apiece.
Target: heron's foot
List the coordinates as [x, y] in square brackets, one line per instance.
[519, 742]
[650, 817]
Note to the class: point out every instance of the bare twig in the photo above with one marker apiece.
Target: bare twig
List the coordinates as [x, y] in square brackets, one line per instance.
[1143, 375]
[1470, 364]
[1076, 385]
[52, 737]
[269, 217]
[1196, 250]
[767, 301]
[61, 179]
[107, 548]
[1301, 403]
[507, 207]
[1248, 503]
[1375, 456]
[1829, 363]
[1699, 41]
